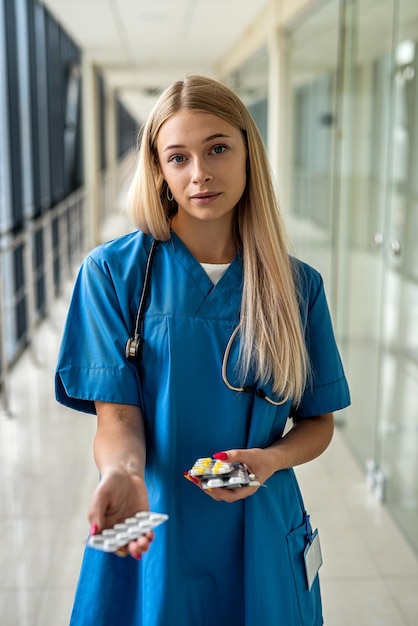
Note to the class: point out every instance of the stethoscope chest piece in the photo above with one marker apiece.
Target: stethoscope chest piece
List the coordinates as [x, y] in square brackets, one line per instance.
[133, 349]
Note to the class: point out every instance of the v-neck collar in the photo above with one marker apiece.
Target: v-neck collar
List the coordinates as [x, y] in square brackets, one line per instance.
[218, 295]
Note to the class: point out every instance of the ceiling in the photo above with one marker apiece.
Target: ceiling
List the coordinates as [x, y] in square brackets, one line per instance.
[142, 45]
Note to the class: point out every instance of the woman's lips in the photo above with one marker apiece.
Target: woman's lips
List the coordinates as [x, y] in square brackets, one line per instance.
[205, 198]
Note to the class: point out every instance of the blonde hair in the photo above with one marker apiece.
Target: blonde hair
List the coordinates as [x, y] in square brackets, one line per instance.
[272, 344]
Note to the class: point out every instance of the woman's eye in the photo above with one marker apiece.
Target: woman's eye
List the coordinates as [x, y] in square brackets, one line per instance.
[177, 158]
[219, 149]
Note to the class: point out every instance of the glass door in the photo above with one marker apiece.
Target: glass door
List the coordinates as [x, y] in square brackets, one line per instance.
[365, 118]
[313, 60]
[353, 78]
[379, 199]
[397, 451]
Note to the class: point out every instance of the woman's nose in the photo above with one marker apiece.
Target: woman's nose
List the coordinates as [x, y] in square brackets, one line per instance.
[201, 172]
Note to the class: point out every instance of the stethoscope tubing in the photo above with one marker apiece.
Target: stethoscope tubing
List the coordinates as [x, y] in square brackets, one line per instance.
[134, 344]
[259, 392]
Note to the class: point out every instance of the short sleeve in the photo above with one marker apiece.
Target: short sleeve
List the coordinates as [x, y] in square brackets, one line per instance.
[92, 364]
[327, 390]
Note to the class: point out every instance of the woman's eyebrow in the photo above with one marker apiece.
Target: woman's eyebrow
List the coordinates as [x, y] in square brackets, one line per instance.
[217, 136]
[210, 138]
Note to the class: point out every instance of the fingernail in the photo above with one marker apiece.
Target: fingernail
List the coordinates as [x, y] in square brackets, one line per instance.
[137, 557]
[93, 529]
[191, 478]
[221, 456]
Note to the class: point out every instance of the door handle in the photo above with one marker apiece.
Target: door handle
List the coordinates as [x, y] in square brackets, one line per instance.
[378, 239]
[396, 247]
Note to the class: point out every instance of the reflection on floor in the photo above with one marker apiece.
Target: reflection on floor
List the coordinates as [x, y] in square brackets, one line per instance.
[369, 576]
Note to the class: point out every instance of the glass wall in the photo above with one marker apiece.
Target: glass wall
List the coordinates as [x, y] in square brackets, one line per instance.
[36, 77]
[355, 217]
[41, 166]
[127, 130]
[251, 84]
[313, 80]
[397, 445]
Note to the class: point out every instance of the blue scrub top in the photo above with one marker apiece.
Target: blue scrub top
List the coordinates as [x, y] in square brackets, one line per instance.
[241, 562]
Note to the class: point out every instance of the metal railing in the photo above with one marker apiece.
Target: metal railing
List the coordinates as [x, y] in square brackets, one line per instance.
[37, 264]
[34, 266]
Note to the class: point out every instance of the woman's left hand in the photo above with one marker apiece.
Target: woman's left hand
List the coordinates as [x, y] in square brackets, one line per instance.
[306, 440]
[256, 461]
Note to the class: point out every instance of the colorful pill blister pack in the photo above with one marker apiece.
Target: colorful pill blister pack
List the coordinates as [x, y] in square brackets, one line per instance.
[213, 473]
[112, 539]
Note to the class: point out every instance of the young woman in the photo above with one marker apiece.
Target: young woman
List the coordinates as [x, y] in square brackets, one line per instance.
[237, 340]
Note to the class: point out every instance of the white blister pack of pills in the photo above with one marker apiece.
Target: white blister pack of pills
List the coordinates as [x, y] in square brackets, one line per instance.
[112, 539]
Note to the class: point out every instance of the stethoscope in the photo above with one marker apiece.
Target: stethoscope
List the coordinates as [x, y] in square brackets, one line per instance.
[133, 348]
[134, 345]
[247, 388]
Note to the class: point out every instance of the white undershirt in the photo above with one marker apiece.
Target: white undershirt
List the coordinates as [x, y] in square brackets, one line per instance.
[215, 271]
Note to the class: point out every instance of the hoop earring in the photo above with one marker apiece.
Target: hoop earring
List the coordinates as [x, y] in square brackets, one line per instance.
[169, 195]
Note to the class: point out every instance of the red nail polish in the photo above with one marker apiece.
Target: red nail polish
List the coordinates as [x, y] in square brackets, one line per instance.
[93, 529]
[221, 456]
[191, 478]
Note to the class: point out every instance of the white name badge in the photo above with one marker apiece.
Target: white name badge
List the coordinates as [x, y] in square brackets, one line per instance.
[313, 559]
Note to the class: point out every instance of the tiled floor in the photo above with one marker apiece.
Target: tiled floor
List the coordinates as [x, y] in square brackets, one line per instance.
[369, 576]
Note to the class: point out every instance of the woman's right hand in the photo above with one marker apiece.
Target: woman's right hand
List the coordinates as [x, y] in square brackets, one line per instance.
[119, 452]
[120, 495]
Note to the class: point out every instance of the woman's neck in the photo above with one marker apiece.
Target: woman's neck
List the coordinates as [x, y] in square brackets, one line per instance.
[209, 242]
